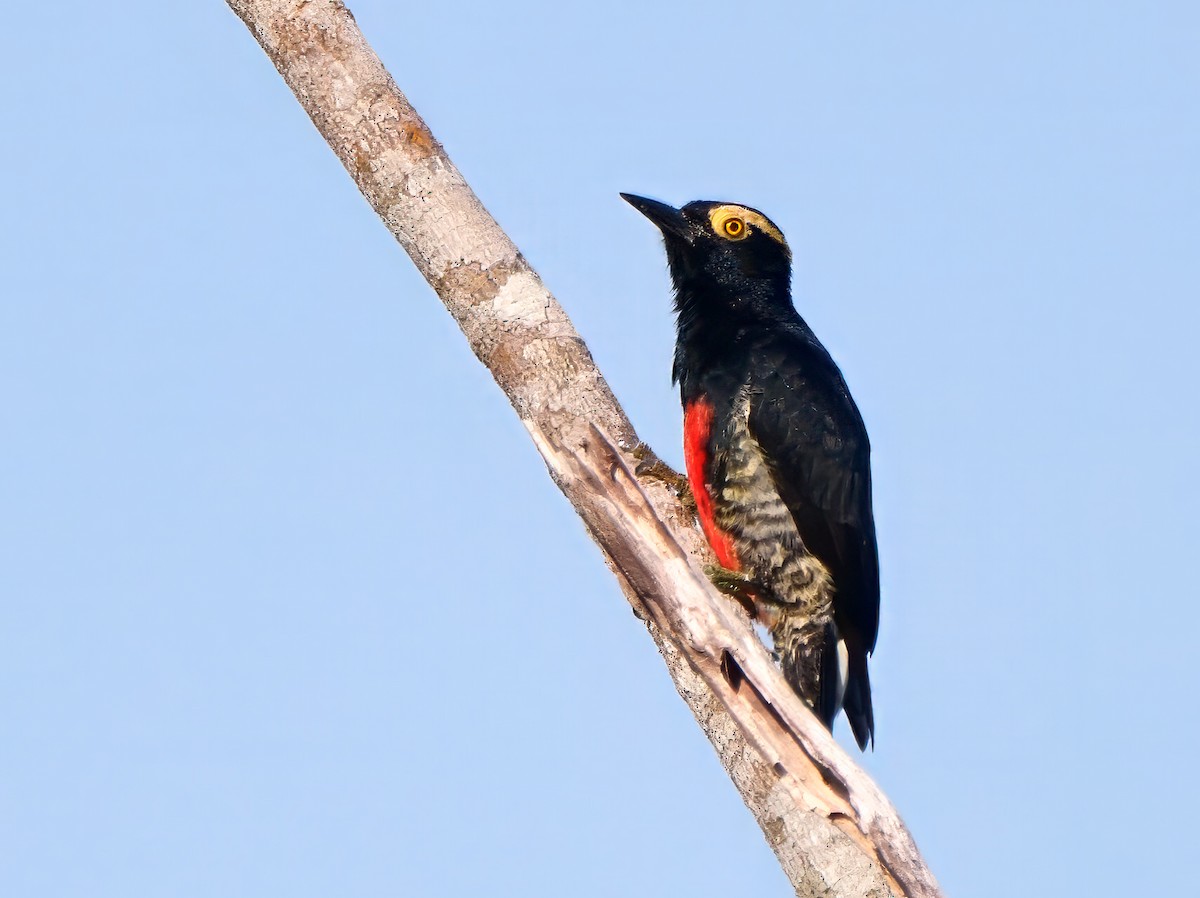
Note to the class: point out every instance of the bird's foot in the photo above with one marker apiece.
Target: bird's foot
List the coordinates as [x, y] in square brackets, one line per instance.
[650, 465]
[742, 588]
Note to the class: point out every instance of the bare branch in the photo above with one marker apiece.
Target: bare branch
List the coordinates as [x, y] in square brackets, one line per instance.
[834, 832]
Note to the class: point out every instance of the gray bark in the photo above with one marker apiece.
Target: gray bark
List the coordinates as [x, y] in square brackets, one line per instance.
[834, 832]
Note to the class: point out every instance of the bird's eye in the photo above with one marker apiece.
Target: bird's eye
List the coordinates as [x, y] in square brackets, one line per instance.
[732, 222]
[736, 223]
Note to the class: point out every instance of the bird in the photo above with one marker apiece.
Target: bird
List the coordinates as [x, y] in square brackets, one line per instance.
[776, 453]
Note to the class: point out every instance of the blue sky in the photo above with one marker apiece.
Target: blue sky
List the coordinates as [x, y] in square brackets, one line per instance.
[289, 605]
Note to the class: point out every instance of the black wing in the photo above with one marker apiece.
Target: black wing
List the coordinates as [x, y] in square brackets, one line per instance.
[816, 445]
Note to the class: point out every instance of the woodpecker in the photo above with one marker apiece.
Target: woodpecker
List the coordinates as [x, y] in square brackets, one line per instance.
[776, 453]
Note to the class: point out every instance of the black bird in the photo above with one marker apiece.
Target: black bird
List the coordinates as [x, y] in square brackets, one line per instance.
[776, 452]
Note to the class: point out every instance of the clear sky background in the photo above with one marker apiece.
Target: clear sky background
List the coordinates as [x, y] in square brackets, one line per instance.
[288, 605]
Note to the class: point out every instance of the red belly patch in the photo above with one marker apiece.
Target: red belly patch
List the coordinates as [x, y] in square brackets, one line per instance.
[697, 431]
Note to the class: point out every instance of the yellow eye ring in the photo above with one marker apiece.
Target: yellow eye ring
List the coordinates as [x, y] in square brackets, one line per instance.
[730, 222]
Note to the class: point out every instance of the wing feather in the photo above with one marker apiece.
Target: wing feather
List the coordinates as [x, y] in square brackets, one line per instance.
[815, 443]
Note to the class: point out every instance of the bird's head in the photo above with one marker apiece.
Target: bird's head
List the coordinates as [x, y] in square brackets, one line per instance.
[723, 252]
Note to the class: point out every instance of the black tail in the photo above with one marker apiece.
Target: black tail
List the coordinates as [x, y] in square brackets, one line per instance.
[857, 701]
[829, 697]
[847, 689]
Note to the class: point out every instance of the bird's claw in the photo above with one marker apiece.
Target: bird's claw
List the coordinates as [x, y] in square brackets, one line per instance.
[742, 588]
[650, 465]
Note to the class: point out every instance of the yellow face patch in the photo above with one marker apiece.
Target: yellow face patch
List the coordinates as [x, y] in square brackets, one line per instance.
[738, 223]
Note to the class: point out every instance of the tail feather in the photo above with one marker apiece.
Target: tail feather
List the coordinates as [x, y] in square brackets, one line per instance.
[857, 701]
[829, 672]
[832, 685]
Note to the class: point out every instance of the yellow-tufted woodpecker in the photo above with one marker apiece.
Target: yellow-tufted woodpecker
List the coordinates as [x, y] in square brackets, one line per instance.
[776, 453]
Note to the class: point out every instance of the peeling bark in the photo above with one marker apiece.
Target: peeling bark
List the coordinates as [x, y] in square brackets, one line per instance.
[834, 832]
